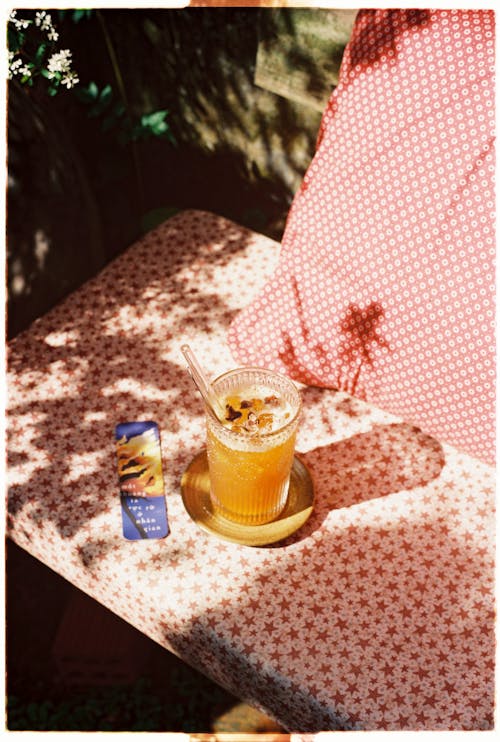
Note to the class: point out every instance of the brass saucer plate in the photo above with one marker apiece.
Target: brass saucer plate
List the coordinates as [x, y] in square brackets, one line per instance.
[195, 488]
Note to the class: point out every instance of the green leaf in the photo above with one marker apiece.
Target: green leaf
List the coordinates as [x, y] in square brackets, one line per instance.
[14, 39]
[81, 13]
[119, 110]
[88, 94]
[153, 119]
[103, 101]
[152, 124]
[40, 52]
[106, 93]
[93, 90]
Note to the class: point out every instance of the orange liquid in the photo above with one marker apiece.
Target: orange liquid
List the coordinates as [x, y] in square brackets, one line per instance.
[250, 486]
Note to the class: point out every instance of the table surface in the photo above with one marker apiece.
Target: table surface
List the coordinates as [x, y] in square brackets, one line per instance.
[377, 614]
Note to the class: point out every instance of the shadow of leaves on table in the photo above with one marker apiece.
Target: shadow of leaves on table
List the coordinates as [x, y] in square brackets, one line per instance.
[102, 356]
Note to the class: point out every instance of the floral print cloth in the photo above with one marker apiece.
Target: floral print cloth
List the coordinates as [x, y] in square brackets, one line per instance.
[377, 614]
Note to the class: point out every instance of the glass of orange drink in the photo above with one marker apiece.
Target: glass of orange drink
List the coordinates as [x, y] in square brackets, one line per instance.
[250, 452]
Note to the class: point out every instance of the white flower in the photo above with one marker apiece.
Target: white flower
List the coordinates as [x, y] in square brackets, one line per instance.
[43, 21]
[18, 23]
[58, 66]
[70, 80]
[59, 62]
[14, 66]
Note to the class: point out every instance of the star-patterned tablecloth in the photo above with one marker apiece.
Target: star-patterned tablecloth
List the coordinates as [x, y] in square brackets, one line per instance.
[377, 614]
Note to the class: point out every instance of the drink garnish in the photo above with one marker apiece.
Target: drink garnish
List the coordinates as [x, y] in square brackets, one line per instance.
[255, 414]
[231, 413]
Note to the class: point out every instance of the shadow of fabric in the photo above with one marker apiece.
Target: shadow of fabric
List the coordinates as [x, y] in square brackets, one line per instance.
[389, 458]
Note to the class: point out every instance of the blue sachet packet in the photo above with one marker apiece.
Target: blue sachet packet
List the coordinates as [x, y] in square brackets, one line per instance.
[140, 474]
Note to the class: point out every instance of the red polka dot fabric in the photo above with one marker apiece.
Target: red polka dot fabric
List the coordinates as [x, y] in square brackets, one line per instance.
[385, 284]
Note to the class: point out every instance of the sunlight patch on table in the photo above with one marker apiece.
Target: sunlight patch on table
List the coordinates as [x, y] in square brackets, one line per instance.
[83, 465]
[134, 387]
[59, 380]
[94, 416]
[64, 338]
[133, 321]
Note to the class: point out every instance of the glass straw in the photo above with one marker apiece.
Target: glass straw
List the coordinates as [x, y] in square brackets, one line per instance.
[204, 387]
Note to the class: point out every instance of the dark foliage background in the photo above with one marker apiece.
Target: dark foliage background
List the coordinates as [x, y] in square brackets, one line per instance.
[77, 195]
